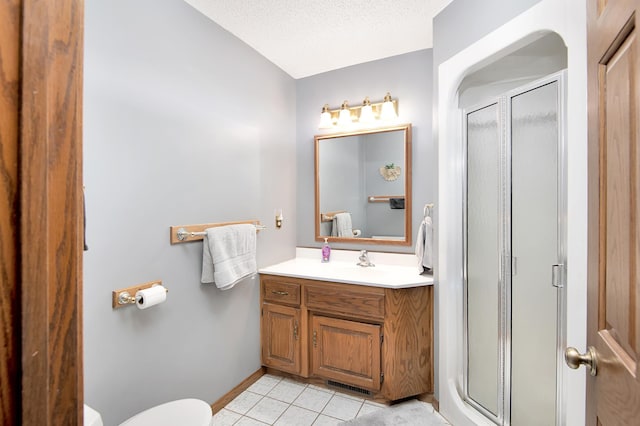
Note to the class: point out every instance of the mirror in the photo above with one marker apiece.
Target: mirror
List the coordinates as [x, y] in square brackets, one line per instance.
[363, 186]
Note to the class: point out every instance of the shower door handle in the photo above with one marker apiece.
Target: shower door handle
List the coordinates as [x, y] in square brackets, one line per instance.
[557, 275]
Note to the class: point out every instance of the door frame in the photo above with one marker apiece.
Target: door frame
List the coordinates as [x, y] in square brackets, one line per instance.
[46, 215]
[9, 196]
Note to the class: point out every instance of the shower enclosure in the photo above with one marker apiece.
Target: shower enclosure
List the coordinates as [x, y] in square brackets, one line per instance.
[515, 260]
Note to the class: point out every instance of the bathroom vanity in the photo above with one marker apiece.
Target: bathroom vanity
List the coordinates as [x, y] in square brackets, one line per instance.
[366, 329]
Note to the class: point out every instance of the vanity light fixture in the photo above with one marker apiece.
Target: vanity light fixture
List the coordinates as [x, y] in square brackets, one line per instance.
[344, 119]
[367, 114]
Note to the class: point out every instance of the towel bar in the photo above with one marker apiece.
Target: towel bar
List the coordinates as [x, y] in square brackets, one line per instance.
[382, 198]
[186, 233]
[328, 216]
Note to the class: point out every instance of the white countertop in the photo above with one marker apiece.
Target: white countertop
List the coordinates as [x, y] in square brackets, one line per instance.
[392, 270]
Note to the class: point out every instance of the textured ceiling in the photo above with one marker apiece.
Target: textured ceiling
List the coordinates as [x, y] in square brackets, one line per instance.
[307, 37]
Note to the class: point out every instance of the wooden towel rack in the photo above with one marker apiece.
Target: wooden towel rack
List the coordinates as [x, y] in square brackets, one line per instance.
[187, 233]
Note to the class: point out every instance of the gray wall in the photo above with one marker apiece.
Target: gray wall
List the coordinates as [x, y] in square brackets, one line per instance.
[455, 28]
[463, 22]
[183, 124]
[409, 79]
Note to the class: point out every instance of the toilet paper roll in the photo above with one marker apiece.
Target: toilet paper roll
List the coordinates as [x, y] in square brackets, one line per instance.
[150, 296]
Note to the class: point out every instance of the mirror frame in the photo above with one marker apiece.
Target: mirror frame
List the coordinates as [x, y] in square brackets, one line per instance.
[407, 185]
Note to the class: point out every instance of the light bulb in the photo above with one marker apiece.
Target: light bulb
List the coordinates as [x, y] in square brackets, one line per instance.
[344, 119]
[325, 118]
[388, 112]
[366, 112]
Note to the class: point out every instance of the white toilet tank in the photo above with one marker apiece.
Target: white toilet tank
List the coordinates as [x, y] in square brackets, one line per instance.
[91, 417]
[183, 412]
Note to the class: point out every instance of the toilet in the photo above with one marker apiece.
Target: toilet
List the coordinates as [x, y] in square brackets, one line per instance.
[91, 417]
[183, 412]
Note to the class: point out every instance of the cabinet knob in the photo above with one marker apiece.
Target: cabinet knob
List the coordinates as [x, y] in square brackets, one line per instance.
[315, 339]
[295, 330]
[280, 293]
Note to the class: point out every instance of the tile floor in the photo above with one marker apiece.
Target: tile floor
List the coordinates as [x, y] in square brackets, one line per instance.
[272, 400]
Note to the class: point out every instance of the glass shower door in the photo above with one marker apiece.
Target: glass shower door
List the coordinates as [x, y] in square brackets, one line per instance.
[535, 250]
[482, 290]
[515, 217]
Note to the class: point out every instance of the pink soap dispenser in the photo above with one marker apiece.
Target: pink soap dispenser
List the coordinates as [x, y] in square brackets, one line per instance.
[326, 251]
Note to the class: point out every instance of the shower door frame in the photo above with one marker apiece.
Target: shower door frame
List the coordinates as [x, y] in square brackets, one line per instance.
[503, 102]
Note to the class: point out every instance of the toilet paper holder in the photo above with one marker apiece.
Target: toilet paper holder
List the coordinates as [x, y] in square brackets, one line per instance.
[127, 296]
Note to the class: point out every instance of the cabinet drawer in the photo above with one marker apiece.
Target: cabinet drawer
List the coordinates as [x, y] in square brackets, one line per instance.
[279, 291]
[343, 300]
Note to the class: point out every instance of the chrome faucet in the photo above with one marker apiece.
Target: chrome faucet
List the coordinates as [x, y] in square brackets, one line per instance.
[364, 259]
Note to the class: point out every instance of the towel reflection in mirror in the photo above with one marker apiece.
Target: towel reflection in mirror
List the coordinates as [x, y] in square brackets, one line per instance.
[341, 226]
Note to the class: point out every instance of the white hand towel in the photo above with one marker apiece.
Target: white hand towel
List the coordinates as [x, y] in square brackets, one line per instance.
[424, 245]
[342, 225]
[427, 258]
[419, 250]
[229, 255]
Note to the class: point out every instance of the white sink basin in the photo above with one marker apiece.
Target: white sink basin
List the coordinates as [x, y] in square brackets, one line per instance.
[309, 266]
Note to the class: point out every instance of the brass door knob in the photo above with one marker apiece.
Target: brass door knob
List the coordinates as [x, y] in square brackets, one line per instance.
[575, 359]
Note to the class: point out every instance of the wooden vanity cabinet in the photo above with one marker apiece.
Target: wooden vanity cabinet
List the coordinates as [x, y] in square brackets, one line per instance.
[374, 338]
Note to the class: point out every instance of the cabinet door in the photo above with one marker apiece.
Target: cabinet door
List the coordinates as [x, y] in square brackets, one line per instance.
[346, 351]
[281, 337]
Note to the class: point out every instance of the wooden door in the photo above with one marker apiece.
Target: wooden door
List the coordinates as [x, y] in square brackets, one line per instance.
[613, 394]
[281, 337]
[41, 214]
[346, 351]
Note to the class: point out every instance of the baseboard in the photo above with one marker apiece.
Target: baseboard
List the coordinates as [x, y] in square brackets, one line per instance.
[230, 396]
[430, 398]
